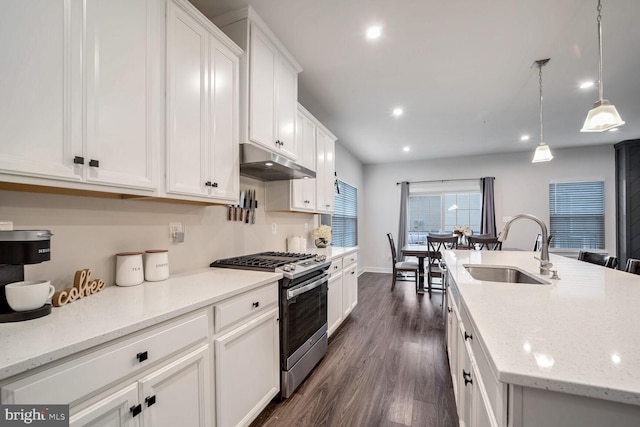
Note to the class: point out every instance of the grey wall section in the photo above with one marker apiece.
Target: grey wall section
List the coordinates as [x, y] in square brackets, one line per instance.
[520, 187]
[88, 232]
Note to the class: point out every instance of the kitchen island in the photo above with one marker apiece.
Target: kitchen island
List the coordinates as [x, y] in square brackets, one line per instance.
[564, 353]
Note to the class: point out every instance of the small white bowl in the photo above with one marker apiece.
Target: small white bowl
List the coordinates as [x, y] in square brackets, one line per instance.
[28, 295]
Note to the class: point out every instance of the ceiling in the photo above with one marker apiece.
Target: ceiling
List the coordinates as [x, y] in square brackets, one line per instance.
[460, 69]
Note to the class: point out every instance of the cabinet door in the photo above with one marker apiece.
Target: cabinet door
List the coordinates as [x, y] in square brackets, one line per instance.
[262, 89]
[40, 88]
[287, 107]
[122, 92]
[452, 342]
[224, 121]
[324, 172]
[481, 412]
[187, 155]
[178, 394]
[247, 369]
[350, 289]
[334, 303]
[465, 380]
[112, 411]
[306, 130]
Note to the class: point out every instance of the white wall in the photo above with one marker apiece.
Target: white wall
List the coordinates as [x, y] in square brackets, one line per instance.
[520, 187]
[88, 232]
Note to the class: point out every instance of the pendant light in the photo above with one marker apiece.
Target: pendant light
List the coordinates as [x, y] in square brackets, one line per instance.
[543, 153]
[603, 116]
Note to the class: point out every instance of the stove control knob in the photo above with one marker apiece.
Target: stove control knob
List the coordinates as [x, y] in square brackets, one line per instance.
[286, 267]
[292, 267]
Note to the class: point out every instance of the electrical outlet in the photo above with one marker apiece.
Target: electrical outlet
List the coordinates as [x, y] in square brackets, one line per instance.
[176, 232]
[273, 228]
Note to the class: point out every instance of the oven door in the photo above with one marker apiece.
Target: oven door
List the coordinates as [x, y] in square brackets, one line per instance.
[303, 318]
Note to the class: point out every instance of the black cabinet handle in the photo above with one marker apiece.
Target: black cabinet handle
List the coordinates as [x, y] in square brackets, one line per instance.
[467, 377]
[150, 400]
[208, 183]
[135, 410]
[449, 309]
[256, 304]
[78, 160]
[467, 336]
[214, 185]
[142, 356]
[94, 163]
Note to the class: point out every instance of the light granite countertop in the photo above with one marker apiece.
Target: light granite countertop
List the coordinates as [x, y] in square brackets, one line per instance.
[578, 335]
[115, 312]
[333, 252]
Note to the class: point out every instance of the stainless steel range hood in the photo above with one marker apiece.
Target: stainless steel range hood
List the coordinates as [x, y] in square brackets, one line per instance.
[256, 162]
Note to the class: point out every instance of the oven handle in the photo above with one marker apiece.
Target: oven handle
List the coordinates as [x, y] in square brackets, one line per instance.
[305, 287]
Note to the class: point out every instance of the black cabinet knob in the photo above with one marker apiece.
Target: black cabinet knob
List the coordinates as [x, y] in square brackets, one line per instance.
[208, 183]
[78, 160]
[142, 356]
[467, 336]
[449, 309]
[150, 400]
[94, 163]
[467, 377]
[214, 185]
[256, 304]
[135, 410]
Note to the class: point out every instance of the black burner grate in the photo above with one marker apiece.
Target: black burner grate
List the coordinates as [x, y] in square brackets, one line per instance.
[264, 261]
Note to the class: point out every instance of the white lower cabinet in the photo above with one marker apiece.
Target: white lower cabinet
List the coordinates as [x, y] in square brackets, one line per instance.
[176, 394]
[343, 290]
[247, 369]
[335, 315]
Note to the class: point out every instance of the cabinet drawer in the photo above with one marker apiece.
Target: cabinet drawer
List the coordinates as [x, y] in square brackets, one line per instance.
[78, 377]
[496, 391]
[349, 259]
[242, 306]
[336, 266]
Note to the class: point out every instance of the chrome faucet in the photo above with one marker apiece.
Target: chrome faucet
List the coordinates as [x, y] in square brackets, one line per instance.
[545, 265]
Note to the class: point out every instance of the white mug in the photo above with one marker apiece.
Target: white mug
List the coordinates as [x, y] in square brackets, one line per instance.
[129, 270]
[28, 295]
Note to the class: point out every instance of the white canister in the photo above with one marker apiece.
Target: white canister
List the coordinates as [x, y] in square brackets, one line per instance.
[156, 265]
[129, 271]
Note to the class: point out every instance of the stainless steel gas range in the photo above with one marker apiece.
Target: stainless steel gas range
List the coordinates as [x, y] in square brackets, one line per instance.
[303, 309]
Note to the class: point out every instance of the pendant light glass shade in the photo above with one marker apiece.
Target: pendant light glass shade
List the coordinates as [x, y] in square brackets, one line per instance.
[603, 116]
[542, 154]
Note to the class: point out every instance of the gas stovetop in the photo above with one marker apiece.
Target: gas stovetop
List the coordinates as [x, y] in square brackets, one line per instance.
[292, 265]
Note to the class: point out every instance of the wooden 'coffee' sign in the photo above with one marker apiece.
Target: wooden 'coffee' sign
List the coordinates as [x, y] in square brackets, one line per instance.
[82, 287]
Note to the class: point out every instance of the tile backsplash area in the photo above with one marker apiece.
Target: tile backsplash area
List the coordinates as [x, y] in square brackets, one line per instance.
[88, 231]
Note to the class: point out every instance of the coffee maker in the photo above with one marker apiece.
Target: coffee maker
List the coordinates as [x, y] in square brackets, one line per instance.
[18, 248]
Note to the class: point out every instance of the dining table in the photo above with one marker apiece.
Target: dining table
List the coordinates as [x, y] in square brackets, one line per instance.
[420, 251]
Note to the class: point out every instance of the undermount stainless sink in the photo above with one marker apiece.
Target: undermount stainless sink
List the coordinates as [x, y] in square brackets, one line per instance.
[506, 274]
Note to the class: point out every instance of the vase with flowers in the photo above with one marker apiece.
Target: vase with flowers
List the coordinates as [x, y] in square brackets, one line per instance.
[321, 235]
[462, 231]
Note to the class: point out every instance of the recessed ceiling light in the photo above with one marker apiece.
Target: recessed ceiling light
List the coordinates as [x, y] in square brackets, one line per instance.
[374, 32]
[397, 112]
[524, 138]
[614, 130]
[405, 149]
[586, 85]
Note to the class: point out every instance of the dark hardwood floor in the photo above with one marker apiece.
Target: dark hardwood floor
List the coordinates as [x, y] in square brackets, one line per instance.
[386, 366]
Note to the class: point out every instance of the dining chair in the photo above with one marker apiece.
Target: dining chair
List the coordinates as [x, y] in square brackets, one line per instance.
[401, 266]
[537, 246]
[437, 243]
[633, 266]
[598, 259]
[484, 241]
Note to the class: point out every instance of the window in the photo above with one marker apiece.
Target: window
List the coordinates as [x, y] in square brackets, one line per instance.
[576, 211]
[441, 213]
[344, 222]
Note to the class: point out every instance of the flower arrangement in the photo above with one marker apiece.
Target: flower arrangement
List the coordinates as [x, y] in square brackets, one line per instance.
[322, 235]
[462, 230]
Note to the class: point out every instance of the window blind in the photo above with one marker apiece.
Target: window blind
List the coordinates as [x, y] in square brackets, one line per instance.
[344, 222]
[576, 211]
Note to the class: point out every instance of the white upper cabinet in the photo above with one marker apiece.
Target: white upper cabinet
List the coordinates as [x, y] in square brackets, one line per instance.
[202, 103]
[268, 84]
[81, 94]
[325, 171]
